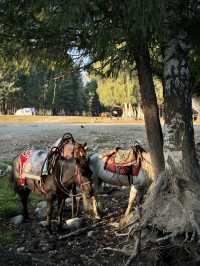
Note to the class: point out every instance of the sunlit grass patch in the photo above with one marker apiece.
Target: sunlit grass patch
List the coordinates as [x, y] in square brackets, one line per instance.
[66, 119]
[9, 201]
[10, 206]
[7, 236]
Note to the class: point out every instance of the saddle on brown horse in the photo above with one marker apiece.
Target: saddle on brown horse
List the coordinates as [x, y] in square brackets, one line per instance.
[125, 162]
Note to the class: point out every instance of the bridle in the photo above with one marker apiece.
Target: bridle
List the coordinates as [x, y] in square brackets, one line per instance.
[80, 182]
[55, 156]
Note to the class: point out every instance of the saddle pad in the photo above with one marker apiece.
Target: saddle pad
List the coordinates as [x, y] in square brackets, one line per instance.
[23, 158]
[124, 157]
[122, 170]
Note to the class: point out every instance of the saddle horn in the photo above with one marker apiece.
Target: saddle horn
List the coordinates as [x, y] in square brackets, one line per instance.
[67, 136]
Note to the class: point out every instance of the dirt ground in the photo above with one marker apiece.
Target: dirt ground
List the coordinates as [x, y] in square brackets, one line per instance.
[16, 137]
[102, 246]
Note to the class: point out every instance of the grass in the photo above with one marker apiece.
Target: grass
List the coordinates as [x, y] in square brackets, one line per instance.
[72, 120]
[7, 236]
[10, 206]
[9, 201]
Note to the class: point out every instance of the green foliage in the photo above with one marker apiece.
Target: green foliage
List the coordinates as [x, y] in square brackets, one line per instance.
[109, 32]
[42, 87]
[116, 92]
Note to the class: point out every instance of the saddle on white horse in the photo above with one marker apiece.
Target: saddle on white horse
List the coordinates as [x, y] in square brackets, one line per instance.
[34, 164]
[125, 162]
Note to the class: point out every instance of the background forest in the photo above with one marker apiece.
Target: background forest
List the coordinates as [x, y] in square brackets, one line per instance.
[53, 91]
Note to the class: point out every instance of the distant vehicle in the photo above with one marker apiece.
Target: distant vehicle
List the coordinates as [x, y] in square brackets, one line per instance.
[116, 111]
[26, 111]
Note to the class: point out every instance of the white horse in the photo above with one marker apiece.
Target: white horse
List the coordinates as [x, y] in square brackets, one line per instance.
[138, 184]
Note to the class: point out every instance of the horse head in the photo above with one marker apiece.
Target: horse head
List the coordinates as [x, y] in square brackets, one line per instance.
[83, 180]
[75, 170]
[80, 150]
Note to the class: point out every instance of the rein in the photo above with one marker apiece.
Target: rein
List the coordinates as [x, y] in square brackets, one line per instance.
[77, 175]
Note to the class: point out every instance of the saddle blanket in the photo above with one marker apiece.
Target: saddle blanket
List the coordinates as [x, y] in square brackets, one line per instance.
[23, 158]
[132, 170]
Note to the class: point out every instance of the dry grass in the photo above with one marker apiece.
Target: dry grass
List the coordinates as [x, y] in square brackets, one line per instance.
[71, 120]
[66, 119]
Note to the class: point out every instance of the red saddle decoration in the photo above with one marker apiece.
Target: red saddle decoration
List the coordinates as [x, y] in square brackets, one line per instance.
[23, 158]
[111, 166]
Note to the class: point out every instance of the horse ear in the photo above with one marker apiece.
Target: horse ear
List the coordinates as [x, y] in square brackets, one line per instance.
[85, 146]
[140, 148]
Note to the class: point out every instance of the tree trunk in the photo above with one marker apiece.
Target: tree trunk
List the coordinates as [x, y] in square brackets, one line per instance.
[179, 145]
[150, 108]
[176, 208]
[4, 107]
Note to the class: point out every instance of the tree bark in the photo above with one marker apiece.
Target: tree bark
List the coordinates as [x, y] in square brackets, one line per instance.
[150, 107]
[176, 208]
[179, 144]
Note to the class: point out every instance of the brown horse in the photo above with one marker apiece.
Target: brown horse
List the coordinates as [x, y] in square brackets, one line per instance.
[64, 174]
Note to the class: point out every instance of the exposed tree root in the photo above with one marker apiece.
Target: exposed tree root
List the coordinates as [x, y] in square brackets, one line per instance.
[135, 250]
[170, 212]
[164, 238]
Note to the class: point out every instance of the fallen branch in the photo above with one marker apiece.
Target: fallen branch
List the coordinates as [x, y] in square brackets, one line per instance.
[36, 260]
[79, 231]
[89, 227]
[135, 251]
[117, 234]
[116, 250]
[164, 238]
[131, 223]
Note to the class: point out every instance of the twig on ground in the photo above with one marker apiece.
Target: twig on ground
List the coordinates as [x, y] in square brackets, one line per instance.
[116, 250]
[170, 236]
[43, 262]
[89, 227]
[117, 234]
[79, 231]
[131, 223]
[135, 251]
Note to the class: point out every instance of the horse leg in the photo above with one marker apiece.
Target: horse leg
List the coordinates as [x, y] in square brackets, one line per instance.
[50, 200]
[95, 208]
[74, 202]
[97, 184]
[24, 193]
[61, 203]
[132, 196]
[139, 198]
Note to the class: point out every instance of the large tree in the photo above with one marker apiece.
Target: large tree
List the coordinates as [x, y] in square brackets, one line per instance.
[105, 30]
[121, 34]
